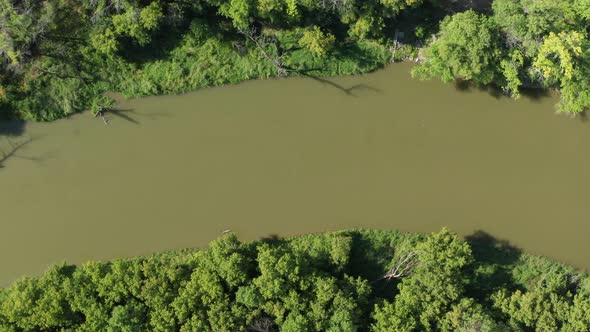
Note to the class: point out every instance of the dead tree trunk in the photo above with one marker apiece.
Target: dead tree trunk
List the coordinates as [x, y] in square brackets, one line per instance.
[100, 112]
[403, 267]
[13, 149]
[261, 44]
[263, 324]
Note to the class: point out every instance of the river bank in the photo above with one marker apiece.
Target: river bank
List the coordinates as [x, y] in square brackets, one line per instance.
[293, 156]
[60, 59]
[346, 281]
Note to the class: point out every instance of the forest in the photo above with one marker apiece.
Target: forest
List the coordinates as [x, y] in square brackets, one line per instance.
[61, 56]
[358, 280]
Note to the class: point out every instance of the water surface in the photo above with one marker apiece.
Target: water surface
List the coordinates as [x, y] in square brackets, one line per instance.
[293, 156]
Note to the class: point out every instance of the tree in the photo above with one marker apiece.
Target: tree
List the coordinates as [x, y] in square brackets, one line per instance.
[317, 42]
[511, 18]
[575, 93]
[470, 316]
[204, 302]
[40, 304]
[547, 306]
[545, 16]
[467, 49]
[563, 60]
[129, 317]
[430, 291]
[558, 55]
[579, 315]
[311, 283]
[525, 22]
[511, 69]
[582, 7]
[238, 11]
[398, 5]
[366, 26]
[114, 20]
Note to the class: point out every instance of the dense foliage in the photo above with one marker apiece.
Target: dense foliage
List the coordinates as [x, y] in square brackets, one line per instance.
[343, 281]
[61, 56]
[520, 44]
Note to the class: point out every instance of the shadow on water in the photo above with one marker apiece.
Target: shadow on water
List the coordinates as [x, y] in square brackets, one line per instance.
[14, 148]
[11, 146]
[12, 128]
[468, 87]
[347, 91]
[536, 95]
[122, 114]
[498, 258]
[492, 250]
[583, 117]
[272, 239]
[125, 114]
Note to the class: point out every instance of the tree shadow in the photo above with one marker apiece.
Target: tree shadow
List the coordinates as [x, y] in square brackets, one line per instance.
[151, 115]
[427, 17]
[469, 87]
[12, 152]
[533, 94]
[122, 114]
[487, 248]
[370, 260]
[480, 6]
[12, 128]
[163, 42]
[347, 91]
[362, 261]
[272, 239]
[463, 86]
[494, 260]
[125, 114]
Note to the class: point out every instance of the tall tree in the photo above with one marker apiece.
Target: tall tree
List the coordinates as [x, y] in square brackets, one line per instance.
[467, 48]
[435, 285]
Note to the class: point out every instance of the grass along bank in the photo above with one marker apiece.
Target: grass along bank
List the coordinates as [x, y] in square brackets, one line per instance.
[60, 57]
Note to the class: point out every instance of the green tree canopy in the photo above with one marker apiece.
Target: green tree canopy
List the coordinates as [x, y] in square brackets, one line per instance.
[320, 282]
[467, 48]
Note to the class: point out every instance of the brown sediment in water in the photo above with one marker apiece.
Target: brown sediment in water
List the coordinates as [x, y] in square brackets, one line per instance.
[293, 156]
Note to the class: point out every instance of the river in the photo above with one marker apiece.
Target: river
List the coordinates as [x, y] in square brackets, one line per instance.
[293, 156]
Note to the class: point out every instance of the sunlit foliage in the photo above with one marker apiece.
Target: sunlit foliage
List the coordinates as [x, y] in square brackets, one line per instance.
[323, 282]
[60, 56]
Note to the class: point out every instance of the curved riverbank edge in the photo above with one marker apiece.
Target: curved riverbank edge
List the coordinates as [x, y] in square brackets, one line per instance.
[294, 156]
[177, 47]
[346, 280]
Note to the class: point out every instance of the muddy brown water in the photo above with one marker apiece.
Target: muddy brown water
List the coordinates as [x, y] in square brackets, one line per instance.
[294, 156]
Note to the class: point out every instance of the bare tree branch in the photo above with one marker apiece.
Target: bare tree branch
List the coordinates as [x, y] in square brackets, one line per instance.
[403, 267]
[261, 44]
[13, 149]
[335, 5]
[263, 324]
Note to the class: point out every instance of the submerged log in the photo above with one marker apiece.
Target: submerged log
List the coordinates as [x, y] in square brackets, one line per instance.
[100, 112]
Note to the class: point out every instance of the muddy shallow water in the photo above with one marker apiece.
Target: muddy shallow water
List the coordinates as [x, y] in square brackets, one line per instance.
[294, 156]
